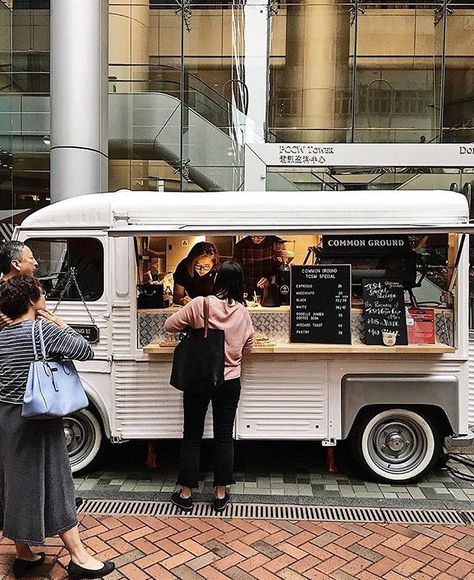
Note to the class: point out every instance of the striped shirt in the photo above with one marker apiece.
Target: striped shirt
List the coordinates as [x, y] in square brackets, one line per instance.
[16, 354]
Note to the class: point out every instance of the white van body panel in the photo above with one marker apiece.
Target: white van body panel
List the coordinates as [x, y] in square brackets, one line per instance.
[276, 209]
[284, 396]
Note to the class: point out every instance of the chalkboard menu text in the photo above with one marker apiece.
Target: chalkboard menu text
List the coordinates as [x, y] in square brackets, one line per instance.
[384, 311]
[321, 304]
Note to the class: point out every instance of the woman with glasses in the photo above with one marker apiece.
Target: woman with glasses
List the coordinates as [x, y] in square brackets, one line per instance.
[195, 275]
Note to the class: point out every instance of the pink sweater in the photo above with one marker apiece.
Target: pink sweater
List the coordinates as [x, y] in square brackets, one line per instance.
[233, 320]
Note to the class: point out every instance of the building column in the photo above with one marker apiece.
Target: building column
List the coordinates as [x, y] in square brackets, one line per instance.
[318, 65]
[79, 97]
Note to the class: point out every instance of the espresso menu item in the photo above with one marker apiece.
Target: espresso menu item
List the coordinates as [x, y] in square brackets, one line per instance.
[384, 310]
[321, 304]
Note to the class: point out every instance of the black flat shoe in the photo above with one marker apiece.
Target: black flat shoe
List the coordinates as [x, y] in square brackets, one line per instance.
[221, 503]
[75, 571]
[22, 567]
[185, 503]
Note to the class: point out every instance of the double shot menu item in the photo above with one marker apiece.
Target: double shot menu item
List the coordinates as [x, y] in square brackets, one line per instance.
[321, 304]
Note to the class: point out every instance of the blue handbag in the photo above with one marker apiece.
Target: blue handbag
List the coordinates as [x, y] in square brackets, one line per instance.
[53, 388]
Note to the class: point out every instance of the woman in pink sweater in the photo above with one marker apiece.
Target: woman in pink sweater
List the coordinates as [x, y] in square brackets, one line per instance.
[228, 313]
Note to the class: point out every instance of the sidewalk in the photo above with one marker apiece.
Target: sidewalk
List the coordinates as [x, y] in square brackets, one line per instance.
[219, 549]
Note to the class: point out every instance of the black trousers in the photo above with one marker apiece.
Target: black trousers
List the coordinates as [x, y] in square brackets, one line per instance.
[224, 407]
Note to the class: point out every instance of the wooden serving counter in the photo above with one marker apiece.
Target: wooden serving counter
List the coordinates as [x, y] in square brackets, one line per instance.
[163, 348]
[274, 323]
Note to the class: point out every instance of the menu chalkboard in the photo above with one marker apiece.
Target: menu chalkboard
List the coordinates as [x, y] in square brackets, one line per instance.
[321, 304]
[384, 311]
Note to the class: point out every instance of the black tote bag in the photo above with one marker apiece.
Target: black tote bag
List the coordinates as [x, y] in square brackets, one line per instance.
[198, 361]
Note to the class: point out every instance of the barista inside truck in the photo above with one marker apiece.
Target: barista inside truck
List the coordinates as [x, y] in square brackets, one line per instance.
[195, 275]
[257, 256]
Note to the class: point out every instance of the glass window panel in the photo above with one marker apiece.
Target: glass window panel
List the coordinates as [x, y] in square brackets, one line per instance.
[458, 117]
[398, 77]
[360, 178]
[219, 94]
[310, 72]
[144, 102]
[57, 257]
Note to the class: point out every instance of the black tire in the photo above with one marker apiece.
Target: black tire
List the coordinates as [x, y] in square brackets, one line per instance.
[84, 440]
[395, 445]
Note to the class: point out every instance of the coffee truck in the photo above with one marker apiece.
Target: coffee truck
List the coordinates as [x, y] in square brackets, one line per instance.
[372, 349]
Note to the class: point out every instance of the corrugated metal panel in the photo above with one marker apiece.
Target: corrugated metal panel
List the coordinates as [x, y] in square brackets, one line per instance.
[146, 406]
[283, 400]
[123, 336]
[471, 379]
[75, 313]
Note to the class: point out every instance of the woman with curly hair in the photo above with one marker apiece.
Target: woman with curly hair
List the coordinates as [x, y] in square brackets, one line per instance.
[36, 487]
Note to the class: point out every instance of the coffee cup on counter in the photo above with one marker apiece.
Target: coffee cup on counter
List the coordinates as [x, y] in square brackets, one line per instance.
[389, 338]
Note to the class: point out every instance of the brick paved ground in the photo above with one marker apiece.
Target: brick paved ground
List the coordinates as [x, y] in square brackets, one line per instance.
[219, 549]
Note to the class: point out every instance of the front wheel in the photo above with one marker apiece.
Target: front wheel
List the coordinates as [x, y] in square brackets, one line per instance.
[84, 439]
[395, 445]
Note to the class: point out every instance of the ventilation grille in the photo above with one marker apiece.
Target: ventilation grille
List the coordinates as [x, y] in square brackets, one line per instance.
[281, 512]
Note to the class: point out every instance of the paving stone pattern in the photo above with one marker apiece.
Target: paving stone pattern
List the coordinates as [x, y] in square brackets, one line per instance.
[309, 484]
[237, 549]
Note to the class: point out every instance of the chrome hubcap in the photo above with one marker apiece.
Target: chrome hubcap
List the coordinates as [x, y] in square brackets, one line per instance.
[79, 435]
[397, 444]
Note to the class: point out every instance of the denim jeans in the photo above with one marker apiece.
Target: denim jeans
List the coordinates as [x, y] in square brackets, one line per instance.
[224, 407]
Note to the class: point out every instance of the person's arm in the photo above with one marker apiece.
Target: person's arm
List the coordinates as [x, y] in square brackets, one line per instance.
[184, 317]
[64, 341]
[179, 295]
[179, 288]
[237, 257]
[248, 346]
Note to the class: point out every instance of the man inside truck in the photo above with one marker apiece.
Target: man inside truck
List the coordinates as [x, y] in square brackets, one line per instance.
[257, 256]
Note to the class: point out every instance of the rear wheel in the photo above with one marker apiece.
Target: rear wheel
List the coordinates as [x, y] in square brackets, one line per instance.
[395, 445]
[84, 439]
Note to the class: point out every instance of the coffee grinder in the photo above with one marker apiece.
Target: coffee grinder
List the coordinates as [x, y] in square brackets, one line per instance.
[285, 257]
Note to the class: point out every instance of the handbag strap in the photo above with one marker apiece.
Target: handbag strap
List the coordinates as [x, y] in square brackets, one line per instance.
[206, 316]
[41, 339]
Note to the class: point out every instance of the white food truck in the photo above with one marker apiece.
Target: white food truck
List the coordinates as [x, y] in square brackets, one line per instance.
[107, 258]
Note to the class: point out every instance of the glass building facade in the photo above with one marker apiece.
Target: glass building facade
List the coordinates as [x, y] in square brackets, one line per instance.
[190, 83]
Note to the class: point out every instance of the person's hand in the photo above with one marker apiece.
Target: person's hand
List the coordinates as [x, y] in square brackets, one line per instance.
[46, 315]
[185, 300]
[263, 282]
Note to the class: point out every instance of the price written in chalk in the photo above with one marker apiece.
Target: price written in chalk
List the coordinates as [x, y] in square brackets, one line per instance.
[384, 310]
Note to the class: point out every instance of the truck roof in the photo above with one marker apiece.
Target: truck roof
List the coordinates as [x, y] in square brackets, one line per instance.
[225, 211]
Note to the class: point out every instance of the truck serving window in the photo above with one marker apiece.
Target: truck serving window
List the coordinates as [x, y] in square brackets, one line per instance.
[62, 262]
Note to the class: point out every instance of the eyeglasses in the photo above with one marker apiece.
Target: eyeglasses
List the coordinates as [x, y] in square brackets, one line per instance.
[202, 268]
